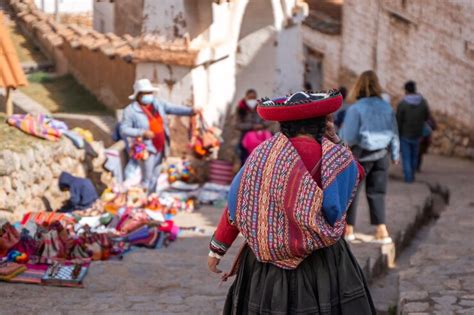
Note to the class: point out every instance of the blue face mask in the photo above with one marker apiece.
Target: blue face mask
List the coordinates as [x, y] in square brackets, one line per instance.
[147, 99]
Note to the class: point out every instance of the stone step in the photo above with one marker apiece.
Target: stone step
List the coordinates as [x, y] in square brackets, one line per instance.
[407, 208]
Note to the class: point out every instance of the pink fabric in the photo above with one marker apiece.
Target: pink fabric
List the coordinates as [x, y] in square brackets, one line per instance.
[253, 139]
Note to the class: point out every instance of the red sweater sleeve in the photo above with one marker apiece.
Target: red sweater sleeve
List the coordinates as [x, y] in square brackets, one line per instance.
[224, 236]
[361, 170]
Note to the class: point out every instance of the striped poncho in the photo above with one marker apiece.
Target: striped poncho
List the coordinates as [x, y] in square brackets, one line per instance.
[280, 209]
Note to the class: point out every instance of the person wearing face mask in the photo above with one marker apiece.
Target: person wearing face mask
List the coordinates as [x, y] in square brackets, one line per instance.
[248, 120]
[146, 118]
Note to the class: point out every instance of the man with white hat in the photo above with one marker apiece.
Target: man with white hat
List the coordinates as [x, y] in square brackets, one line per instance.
[146, 118]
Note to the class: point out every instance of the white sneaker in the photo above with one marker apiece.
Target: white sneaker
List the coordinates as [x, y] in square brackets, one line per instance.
[350, 237]
[383, 241]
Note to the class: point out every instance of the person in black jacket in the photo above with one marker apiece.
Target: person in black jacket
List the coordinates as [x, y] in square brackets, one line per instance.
[82, 193]
[412, 114]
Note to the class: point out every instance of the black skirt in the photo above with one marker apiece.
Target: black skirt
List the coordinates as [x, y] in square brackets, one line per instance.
[329, 281]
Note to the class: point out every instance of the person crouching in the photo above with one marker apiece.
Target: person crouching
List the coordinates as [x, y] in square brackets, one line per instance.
[82, 193]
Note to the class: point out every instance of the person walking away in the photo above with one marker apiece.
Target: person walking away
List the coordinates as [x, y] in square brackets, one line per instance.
[82, 193]
[412, 115]
[248, 120]
[425, 143]
[295, 260]
[370, 129]
[341, 113]
[146, 117]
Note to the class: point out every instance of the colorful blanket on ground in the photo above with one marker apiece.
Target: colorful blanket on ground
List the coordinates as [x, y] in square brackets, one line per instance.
[279, 208]
[34, 274]
[36, 125]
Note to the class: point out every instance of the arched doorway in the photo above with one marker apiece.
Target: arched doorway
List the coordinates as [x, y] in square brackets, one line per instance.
[256, 49]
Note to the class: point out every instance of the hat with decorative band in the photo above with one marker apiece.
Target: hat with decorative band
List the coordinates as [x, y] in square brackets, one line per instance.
[300, 105]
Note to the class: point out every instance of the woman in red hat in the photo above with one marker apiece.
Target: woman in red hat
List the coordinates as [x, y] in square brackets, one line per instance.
[289, 202]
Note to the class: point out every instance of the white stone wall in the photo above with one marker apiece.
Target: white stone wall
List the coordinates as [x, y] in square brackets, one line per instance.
[65, 6]
[29, 180]
[103, 20]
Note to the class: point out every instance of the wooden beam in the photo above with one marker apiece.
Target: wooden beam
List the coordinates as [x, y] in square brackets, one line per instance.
[9, 102]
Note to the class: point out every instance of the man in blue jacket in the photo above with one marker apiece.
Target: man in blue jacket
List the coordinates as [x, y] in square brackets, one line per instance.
[81, 190]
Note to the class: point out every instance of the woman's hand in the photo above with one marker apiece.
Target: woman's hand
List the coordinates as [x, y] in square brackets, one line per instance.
[331, 133]
[148, 134]
[212, 263]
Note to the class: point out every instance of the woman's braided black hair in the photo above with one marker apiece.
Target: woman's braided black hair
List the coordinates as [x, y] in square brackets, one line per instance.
[315, 127]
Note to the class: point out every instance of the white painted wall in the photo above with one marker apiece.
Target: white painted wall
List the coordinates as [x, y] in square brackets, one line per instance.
[103, 20]
[255, 49]
[65, 6]
[289, 64]
[164, 17]
[175, 82]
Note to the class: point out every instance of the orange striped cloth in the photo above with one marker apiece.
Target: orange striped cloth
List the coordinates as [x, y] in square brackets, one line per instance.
[46, 218]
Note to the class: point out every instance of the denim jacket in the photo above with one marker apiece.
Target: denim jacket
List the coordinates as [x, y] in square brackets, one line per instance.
[135, 121]
[371, 124]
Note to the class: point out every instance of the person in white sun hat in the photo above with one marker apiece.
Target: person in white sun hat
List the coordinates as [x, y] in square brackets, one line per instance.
[146, 118]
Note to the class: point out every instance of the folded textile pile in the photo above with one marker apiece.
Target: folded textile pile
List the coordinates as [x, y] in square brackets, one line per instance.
[212, 193]
[169, 202]
[9, 270]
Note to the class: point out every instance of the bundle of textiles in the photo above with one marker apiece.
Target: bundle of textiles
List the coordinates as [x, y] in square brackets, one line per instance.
[182, 171]
[138, 150]
[48, 128]
[76, 238]
[135, 197]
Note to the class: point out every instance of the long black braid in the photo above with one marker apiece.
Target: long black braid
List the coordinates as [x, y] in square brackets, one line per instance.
[315, 127]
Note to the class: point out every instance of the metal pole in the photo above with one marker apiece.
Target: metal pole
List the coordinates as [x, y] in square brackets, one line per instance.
[9, 102]
[56, 10]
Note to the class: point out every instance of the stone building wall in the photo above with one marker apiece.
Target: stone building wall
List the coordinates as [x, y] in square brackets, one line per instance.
[429, 41]
[328, 46]
[29, 179]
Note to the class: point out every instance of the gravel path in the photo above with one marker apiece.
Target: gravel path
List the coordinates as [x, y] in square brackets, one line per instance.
[175, 280]
[440, 278]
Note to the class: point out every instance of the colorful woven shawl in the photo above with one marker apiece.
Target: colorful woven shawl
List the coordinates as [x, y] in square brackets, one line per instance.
[279, 208]
[36, 125]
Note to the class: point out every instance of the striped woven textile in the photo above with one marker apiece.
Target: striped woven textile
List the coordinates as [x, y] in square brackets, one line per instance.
[35, 125]
[279, 207]
[47, 218]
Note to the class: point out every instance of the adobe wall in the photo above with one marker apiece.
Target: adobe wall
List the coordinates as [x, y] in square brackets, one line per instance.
[109, 79]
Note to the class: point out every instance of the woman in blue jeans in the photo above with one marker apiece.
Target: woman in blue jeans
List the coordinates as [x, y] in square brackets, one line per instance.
[370, 129]
[146, 118]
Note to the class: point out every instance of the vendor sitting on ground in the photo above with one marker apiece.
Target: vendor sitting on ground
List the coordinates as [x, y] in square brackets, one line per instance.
[81, 190]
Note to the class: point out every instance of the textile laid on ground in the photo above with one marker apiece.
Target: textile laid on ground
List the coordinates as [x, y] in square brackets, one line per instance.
[129, 218]
[38, 125]
[284, 228]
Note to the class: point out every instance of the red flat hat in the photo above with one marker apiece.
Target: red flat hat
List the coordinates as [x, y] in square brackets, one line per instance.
[299, 106]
